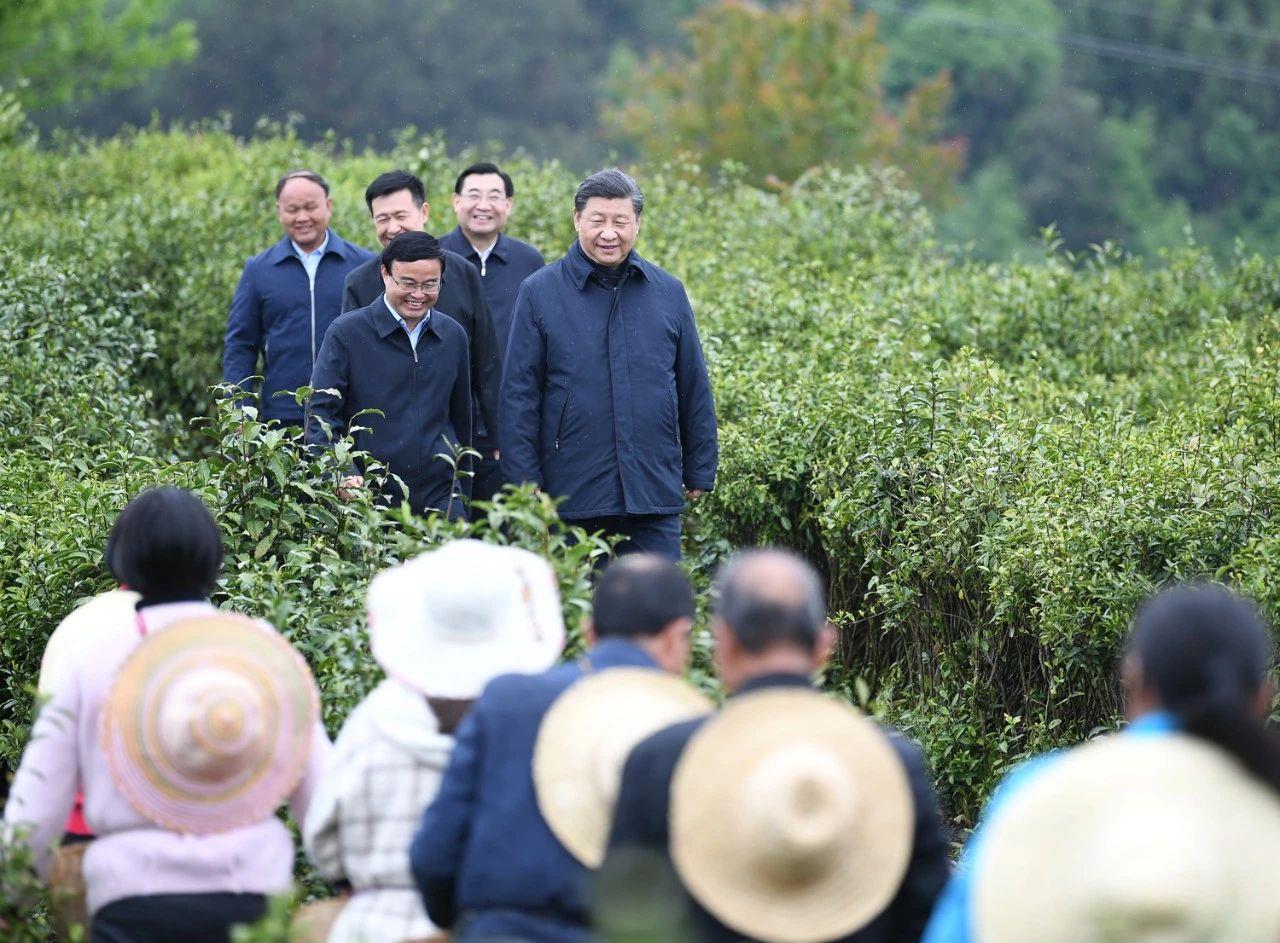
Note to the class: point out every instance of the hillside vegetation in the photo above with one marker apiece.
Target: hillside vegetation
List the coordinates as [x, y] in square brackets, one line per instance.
[991, 464]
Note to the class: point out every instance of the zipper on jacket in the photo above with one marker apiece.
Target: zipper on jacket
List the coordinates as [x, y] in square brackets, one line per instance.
[564, 407]
[311, 288]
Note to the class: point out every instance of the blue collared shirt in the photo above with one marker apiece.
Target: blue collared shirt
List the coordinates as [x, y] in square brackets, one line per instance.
[952, 920]
[417, 331]
[311, 260]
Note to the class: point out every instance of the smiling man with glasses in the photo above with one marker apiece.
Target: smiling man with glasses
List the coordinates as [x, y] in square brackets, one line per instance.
[408, 360]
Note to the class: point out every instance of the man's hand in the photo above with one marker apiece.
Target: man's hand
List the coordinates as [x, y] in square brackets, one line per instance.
[695, 493]
[350, 487]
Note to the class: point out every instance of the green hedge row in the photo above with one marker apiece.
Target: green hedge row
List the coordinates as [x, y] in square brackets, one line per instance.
[990, 464]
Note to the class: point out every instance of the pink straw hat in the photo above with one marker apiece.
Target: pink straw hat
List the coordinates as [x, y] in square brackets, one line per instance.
[208, 724]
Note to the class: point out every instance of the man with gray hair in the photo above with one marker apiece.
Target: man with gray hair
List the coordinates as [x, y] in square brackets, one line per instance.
[605, 398]
[771, 634]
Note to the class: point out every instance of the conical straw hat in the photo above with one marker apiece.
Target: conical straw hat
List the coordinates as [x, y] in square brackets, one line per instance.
[208, 724]
[584, 741]
[791, 817]
[1133, 839]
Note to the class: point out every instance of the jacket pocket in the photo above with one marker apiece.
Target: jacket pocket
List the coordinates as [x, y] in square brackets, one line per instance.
[564, 409]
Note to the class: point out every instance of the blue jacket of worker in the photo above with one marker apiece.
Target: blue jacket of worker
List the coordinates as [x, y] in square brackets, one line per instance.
[605, 397]
[278, 314]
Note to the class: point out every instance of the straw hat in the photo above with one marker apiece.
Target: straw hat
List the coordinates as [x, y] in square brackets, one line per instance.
[1133, 839]
[584, 741]
[86, 625]
[448, 621]
[791, 817]
[208, 724]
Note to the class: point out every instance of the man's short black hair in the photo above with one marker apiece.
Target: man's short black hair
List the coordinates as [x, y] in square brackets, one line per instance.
[611, 184]
[165, 545]
[485, 167]
[412, 247]
[640, 595]
[393, 181]
[771, 597]
[302, 175]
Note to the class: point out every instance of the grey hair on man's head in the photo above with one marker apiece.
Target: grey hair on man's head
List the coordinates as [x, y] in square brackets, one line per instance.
[611, 184]
[771, 597]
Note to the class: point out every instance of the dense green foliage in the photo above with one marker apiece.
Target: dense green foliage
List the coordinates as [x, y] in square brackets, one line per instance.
[991, 464]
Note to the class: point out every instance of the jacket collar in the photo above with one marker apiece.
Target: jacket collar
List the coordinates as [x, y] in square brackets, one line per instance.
[456, 241]
[385, 323]
[580, 268]
[618, 653]
[776, 680]
[338, 246]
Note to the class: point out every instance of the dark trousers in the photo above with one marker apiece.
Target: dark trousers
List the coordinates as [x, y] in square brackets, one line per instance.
[176, 918]
[645, 533]
[488, 480]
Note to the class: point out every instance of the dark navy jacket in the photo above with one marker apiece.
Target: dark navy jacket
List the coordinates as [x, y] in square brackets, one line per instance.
[510, 262]
[426, 396]
[272, 314]
[461, 298]
[605, 396]
[484, 857]
[652, 892]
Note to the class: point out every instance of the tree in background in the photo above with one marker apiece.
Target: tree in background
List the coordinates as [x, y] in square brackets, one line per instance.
[56, 51]
[781, 90]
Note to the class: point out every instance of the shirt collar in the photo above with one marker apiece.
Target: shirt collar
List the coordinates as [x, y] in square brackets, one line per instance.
[425, 322]
[457, 241]
[580, 267]
[1154, 723]
[387, 320]
[617, 653]
[778, 679]
[318, 251]
[333, 243]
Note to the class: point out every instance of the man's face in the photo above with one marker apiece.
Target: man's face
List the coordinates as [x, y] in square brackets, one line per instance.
[304, 212]
[396, 213]
[483, 206]
[607, 229]
[413, 287]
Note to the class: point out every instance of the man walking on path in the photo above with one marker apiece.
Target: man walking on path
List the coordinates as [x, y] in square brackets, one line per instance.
[483, 196]
[397, 201]
[606, 401]
[771, 636]
[488, 865]
[288, 296]
[410, 362]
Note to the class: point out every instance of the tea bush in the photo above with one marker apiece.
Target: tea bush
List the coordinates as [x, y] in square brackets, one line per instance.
[991, 464]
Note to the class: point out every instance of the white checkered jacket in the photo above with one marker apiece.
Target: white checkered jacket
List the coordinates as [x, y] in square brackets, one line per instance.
[385, 769]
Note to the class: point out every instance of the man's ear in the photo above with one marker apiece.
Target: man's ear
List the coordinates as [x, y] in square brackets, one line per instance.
[824, 646]
[577, 220]
[426, 213]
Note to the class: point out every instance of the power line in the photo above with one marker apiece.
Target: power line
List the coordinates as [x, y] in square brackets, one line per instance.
[1098, 45]
[1145, 13]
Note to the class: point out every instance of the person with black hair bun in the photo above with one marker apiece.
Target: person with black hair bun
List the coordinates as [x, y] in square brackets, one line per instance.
[181, 751]
[1196, 674]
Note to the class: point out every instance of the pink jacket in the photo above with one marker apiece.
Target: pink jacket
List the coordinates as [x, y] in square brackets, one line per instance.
[132, 856]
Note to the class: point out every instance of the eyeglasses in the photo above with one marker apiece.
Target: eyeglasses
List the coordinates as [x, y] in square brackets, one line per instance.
[413, 288]
[472, 196]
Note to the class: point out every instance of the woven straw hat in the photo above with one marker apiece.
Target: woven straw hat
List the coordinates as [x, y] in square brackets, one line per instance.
[584, 741]
[208, 724]
[791, 817]
[1133, 839]
[91, 621]
[447, 622]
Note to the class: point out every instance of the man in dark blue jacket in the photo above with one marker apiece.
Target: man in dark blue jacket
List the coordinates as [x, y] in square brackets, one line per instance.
[486, 861]
[409, 361]
[288, 296]
[606, 401]
[483, 196]
[770, 632]
[397, 202]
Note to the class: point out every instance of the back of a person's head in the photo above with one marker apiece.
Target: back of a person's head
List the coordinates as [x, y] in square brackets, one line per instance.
[640, 595]
[165, 545]
[769, 598]
[1205, 652]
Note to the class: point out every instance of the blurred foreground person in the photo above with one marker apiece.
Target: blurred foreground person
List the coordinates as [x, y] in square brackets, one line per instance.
[789, 816]
[441, 626]
[488, 865]
[288, 296]
[1166, 831]
[185, 734]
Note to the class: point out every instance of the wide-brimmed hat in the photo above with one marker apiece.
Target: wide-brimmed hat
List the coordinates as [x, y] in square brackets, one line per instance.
[583, 743]
[450, 620]
[791, 817]
[92, 621]
[208, 724]
[1133, 839]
